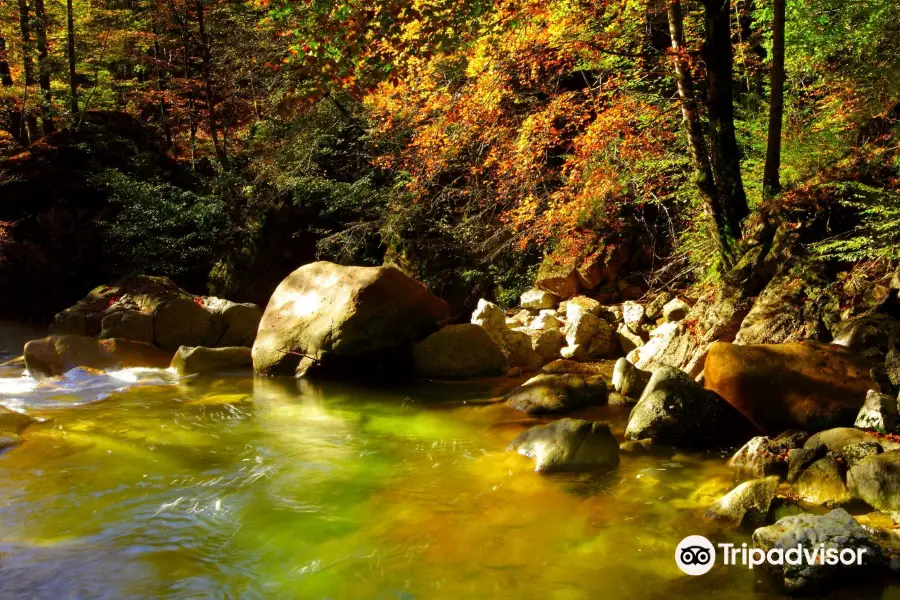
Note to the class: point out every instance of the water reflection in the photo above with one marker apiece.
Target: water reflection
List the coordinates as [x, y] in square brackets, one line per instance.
[273, 488]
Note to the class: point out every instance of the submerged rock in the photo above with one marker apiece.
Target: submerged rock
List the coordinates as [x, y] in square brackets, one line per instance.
[13, 422]
[747, 505]
[56, 354]
[344, 320]
[545, 394]
[568, 445]
[836, 530]
[675, 410]
[805, 385]
[190, 360]
[459, 352]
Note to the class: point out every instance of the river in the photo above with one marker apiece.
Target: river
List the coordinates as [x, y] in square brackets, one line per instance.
[141, 485]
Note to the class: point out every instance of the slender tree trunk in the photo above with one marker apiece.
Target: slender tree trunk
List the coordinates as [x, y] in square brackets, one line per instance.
[5, 75]
[771, 179]
[163, 114]
[690, 118]
[206, 58]
[14, 117]
[73, 85]
[40, 20]
[29, 122]
[719, 59]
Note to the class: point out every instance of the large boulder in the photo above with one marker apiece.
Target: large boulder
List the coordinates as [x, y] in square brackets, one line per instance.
[459, 352]
[747, 505]
[876, 481]
[343, 319]
[155, 310]
[190, 360]
[544, 394]
[805, 385]
[651, 353]
[675, 410]
[569, 445]
[836, 530]
[56, 354]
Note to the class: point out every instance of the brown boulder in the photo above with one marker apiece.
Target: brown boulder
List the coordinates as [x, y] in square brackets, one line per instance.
[338, 320]
[56, 354]
[803, 385]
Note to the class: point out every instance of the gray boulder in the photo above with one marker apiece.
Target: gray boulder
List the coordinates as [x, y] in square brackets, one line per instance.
[675, 310]
[628, 380]
[675, 410]
[546, 394]
[747, 505]
[654, 309]
[190, 360]
[878, 413]
[459, 352]
[835, 530]
[341, 320]
[876, 481]
[239, 321]
[569, 445]
[835, 440]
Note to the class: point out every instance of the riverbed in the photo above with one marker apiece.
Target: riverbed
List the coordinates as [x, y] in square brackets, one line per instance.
[138, 484]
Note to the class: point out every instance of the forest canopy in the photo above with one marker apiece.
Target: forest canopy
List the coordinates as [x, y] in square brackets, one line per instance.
[468, 141]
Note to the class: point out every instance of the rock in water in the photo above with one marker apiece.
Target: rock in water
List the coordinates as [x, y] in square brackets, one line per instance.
[628, 380]
[747, 505]
[763, 456]
[804, 385]
[569, 445]
[837, 530]
[879, 413]
[56, 354]
[876, 480]
[675, 410]
[343, 320]
[13, 422]
[822, 482]
[190, 360]
[459, 352]
[545, 394]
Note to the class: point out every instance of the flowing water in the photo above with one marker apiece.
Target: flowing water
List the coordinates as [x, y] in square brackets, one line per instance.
[139, 485]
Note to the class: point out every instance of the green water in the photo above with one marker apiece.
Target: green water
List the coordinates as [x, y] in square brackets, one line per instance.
[241, 488]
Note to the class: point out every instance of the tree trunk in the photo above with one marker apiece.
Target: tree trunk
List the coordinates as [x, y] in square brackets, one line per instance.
[703, 177]
[29, 122]
[771, 179]
[206, 58]
[40, 20]
[14, 117]
[73, 86]
[719, 59]
[5, 75]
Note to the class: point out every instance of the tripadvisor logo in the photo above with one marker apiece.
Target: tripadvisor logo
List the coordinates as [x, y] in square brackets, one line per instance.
[696, 555]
